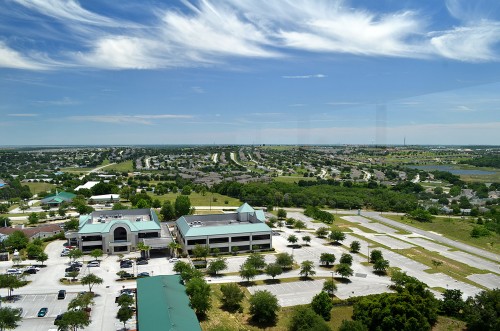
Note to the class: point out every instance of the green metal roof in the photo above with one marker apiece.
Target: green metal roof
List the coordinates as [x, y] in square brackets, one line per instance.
[245, 208]
[234, 228]
[105, 227]
[162, 304]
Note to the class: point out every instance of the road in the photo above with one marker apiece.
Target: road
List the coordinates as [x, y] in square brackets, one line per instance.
[96, 169]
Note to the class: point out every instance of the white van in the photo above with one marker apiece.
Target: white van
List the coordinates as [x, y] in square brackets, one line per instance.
[14, 272]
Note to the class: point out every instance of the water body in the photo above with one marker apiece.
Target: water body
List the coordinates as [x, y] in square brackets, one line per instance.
[454, 171]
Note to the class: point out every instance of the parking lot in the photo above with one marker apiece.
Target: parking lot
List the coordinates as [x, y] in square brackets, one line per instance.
[31, 304]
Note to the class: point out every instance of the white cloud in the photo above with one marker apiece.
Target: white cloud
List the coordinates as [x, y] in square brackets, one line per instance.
[305, 76]
[121, 119]
[197, 89]
[469, 43]
[61, 102]
[10, 58]
[22, 115]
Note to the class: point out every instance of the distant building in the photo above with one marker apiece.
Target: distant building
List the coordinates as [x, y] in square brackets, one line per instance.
[163, 305]
[87, 185]
[105, 198]
[119, 231]
[57, 199]
[245, 229]
[42, 231]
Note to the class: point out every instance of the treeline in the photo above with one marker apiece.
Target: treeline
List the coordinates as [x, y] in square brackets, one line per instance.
[13, 190]
[319, 214]
[327, 194]
[484, 161]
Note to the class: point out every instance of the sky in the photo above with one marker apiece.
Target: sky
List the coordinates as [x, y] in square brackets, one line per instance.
[107, 72]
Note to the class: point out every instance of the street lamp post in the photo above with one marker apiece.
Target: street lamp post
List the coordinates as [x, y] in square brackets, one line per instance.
[332, 283]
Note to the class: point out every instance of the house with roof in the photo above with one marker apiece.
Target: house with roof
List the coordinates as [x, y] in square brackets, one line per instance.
[119, 231]
[162, 304]
[55, 200]
[41, 231]
[244, 229]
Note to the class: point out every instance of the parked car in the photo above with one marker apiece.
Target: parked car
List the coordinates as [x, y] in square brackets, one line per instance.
[173, 259]
[61, 295]
[42, 312]
[126, 264]
[14, 272]
[127, 275]
[77, 264]
[58, 318]
[143, 274]
[33, 267]
[30, 271]
[72, 268]
[142, 262]
[94, 264]
[64, 253]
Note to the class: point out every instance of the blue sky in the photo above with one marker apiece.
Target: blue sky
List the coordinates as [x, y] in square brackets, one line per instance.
[249, 72]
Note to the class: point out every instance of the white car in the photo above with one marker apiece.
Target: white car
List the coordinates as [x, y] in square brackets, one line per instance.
[94, 264]
[174, 259]
[14, 272]
[32, 267]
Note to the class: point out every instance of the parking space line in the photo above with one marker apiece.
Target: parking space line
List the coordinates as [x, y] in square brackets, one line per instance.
[34, 298]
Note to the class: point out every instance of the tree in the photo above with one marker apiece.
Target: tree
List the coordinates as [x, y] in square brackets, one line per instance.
[352, 326]
[375, 255]
[482, 311]
[306, 239]
[75, 254]
[273, 270]
[232, 296]
[256, 260]
[4, 220]
[33, 218]
[437, 263]
[72, 224]
[248, 271]
[33, 250]
[82, 300]
[305, 319]
[17, 240]
[299, 225]
[182, 205]
[284, 260]
[199, 295]
[292, 239]
[73, 319]
[156, 203]
[337, 236]
[322, 232]
[327, 258]
[346, 258]
[263, 307]
[329, 287]
[174, 247]
[421, 215]
[96, 253]
[143, 248]
[344, 270]
[61, 211]
[167, 211]
[381, 266]
[42, 257]
[200, 251]
[9, 318]
[452, 303]
[217, 265]
[322, 305]
[91, 280]
[124, 314]
[307, 268]
[10, 282]
[281, 214]
[355, 246]
[73, 274]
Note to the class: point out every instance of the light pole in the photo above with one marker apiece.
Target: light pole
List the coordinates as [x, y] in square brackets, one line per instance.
[332, 283]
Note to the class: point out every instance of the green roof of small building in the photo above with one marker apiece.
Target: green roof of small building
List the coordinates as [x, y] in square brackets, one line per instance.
[162, 304]
[58, 198]
[245, 208]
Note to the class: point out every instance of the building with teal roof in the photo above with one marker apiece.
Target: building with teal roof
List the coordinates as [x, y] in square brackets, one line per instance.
[163, 305]
[243, 230]
[57, 199]
[119, 231]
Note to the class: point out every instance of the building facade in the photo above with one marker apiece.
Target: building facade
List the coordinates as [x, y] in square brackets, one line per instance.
[243, 230]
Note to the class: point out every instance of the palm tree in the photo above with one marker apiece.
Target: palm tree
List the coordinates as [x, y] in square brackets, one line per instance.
[174, 247]
[143, 248]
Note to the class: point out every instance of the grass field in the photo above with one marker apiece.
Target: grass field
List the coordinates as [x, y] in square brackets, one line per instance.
[293, 179]
[456, 229]
[126, 166]
[201, 200]
[221, 320]
[39, 187]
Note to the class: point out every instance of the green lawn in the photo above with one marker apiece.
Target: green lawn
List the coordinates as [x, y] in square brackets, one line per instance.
[39, 187]
[126, 166]
[198, 199]
[455, 228]
[221, 320]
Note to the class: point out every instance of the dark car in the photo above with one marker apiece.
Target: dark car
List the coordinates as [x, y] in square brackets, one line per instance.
[42, 312]
[126, 264]
[141, 262]
[30, 271]
[77, 264]
[143, 274]
[58, 318]
[61, 295]
[72, 268]
[127, 275]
